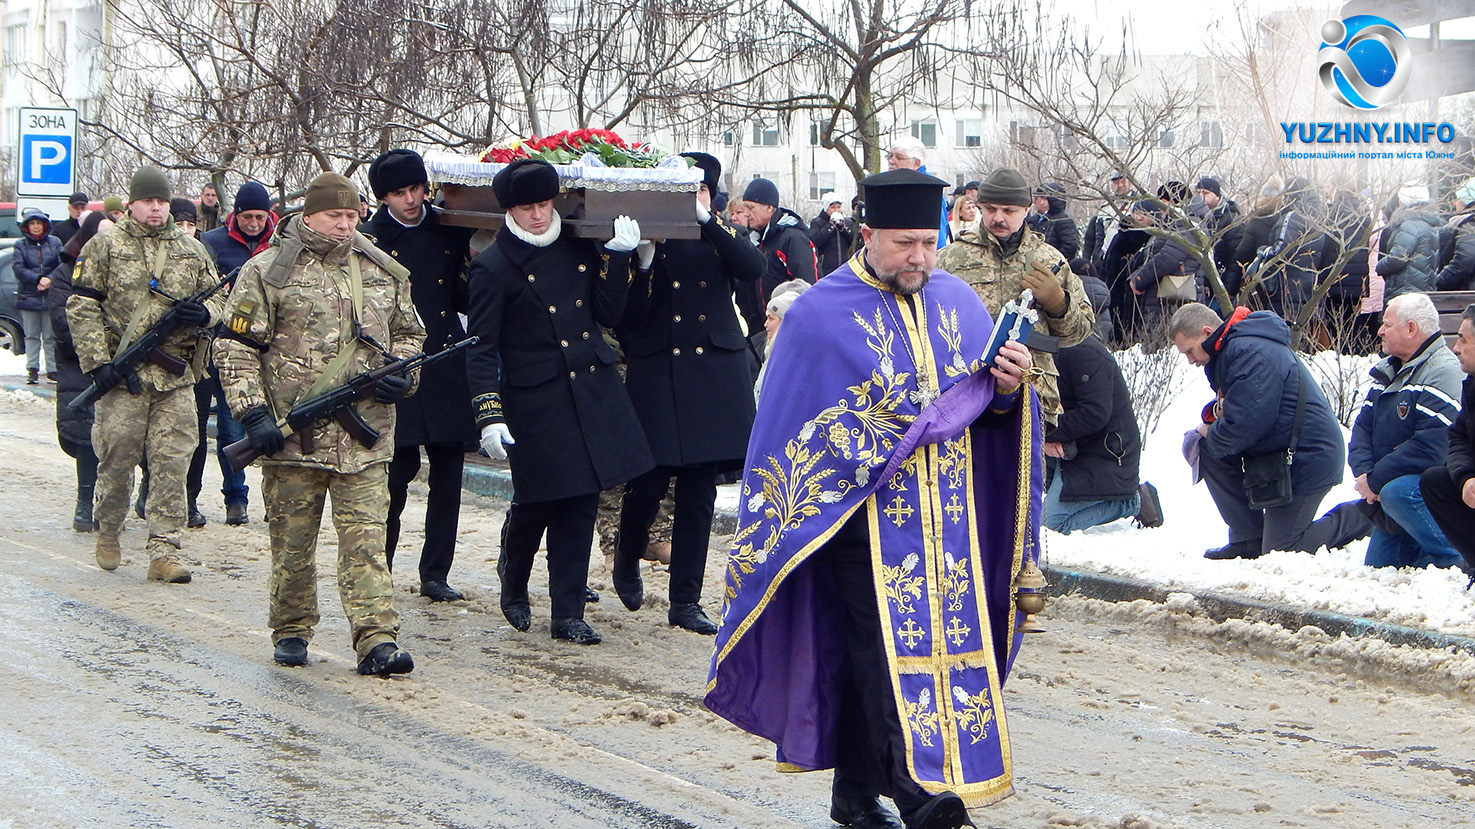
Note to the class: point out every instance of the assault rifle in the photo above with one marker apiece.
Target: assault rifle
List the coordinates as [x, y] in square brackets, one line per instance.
[146, 347]
[337, 403]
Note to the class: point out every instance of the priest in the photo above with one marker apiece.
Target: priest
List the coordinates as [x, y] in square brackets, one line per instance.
[890, 501]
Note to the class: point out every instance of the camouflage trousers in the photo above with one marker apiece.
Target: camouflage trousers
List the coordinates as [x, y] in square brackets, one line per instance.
[294, 498]
[129, 427]
[607, 521]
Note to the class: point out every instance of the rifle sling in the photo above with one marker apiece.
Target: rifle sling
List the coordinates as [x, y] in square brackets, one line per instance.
[142, 308]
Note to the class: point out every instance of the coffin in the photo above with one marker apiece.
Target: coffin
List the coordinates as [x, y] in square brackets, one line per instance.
[590, 198]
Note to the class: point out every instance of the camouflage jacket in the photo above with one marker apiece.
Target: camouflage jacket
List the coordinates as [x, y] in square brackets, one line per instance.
[112, 277]
[284, 326]
[979, 260]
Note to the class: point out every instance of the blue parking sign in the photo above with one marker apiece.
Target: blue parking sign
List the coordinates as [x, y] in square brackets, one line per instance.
[46, 159]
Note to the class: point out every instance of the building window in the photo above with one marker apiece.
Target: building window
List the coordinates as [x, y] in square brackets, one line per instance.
[1117, 141]
[926, 132]
[764, 136]
[729, 138]
[820, 184]
[1210, 134]
[1166, 138]
[970, 132]
[15, 45]
[1021, 134]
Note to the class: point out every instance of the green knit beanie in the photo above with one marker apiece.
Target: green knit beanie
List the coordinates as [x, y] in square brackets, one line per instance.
[149, 183]
[329, 191]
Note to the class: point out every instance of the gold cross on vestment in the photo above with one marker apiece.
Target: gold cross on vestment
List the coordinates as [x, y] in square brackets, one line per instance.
[910, 633]
[954, 509]
[957, 632]
[899, 511]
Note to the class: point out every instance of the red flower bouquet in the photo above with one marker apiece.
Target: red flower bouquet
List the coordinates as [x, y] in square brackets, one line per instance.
[569, 146]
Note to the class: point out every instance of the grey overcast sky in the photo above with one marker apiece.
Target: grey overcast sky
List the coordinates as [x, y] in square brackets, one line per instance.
[1185, 26]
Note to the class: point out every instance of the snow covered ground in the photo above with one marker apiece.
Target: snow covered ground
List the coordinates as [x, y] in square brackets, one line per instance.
[1172, 555]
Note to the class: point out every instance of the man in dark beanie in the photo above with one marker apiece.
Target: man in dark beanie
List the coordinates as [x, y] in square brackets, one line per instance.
[545, 389]
[1222, 222]
[438, 417]
[183, 212]
[323, 290]
[1010, 257]
[690, 378]
[125, 280]
[247, 232]
[1050, 220]
[782, 237]
[818, 651]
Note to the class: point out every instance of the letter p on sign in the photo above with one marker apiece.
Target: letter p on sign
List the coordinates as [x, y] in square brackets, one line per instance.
[45, 159]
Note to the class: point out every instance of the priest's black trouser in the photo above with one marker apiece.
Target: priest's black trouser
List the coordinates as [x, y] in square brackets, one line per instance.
[569, 523]
[691, 526]
[872, 751]
[442, 504]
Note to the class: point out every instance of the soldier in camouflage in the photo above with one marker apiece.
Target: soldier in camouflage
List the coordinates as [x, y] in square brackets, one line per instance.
[125, 280]
[1004, 258]
[318, 307]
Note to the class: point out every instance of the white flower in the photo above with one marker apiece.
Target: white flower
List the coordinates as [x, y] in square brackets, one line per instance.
[909, 563]
[888, 368]
[960, 695]
[862, 475]
[808, 431]
[755, 502]
[924, 699]
[829, 496]
[948, 557]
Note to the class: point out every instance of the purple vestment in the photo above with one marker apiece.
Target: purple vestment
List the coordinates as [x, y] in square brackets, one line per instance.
[869, 403]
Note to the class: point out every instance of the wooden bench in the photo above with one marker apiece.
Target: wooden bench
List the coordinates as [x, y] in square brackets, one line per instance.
[1451, 304]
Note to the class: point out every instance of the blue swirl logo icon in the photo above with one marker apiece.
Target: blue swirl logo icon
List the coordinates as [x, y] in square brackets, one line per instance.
[1365, 61]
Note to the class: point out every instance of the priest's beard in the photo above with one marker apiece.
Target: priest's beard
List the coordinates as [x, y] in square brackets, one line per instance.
[906, 281]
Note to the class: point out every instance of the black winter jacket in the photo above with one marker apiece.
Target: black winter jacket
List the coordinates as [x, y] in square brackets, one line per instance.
[33, 259]
[440, 409]
[1459, 274]
[1058, 228]
[831, 240]
[1410, 251]
[1098, 419]
[1461, 460]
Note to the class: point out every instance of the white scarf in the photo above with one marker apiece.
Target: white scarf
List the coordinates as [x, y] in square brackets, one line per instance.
[539, 240]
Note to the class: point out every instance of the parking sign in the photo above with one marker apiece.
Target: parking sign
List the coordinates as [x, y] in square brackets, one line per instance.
[46, 163]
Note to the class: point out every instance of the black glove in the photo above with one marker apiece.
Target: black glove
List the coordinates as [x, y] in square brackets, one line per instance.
[1390, 265]
[391, 388]
[105, 377]
[189, 312]
[262, 430]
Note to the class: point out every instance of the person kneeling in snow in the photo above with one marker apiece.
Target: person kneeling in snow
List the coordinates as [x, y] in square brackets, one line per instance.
[1251, 367]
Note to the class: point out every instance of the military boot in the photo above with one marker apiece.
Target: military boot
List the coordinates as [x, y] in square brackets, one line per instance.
[196, 518]
[82, 517]
[166, 568]
[108, 552]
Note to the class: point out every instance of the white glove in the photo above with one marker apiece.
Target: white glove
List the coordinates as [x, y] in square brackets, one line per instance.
[627, 235]
[645, 253]
[703, 214]
[493, 436]
[836, 218]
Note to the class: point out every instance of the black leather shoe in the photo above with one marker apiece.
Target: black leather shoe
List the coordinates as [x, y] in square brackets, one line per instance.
[235, 515]
[691, 617]
[439, 591]
[291, 652]
[590, 596]
[944, 811]
[576, 631]
[520, 616]
[196, 518]
[628, 586]
[386, 658]
[863, 813]
[1237, 549]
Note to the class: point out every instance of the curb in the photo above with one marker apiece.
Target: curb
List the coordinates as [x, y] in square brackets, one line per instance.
[496, 482]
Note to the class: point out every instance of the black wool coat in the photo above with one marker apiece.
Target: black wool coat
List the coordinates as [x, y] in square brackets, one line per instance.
[689, 370]
[440, 409]
[542, 365]
[72, 426]
[1098, 419]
